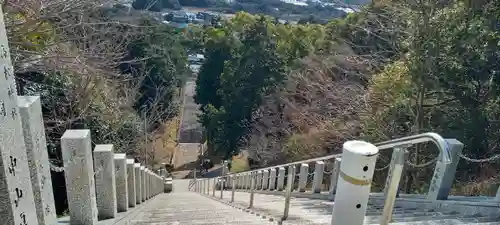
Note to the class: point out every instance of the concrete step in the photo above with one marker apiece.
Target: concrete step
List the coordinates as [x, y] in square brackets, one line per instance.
[188, 208]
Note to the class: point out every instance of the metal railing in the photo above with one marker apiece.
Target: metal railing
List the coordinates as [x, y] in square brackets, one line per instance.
[248, 180]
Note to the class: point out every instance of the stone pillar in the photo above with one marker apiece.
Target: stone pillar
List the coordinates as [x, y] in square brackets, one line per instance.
[258, 183]
[444, 174]
[208, 186]
[121, 182]
[272, 179]
[17, 204]
[79, 175]
[353, 189]
[138, 186]
[105, 185]
[143, 183]
[304, 172]
[334, 177]
[318, 177]
[265, 180]
[131, 183]
[30, 110]
[281, 178]
[214, 187]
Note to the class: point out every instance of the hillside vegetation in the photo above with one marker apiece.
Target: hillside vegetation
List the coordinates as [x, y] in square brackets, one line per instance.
[286, 92]
[113, 71]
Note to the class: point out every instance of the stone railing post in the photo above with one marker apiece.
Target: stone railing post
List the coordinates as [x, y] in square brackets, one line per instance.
[131, 182]
[318, 177]
[143, 184]
[444, 174]
[208, 186]
[304, 173]
[281, 178]
[30, 110]
[138, 186]
[265, 180]
[79, 175]
[146, 183]
[272, 179]
[214, 187]
[334, 177]
[353, 188]
[105, 185]
[258, 184]
[121, 182]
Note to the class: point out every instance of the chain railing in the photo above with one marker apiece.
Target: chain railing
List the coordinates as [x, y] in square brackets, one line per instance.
[321, 175]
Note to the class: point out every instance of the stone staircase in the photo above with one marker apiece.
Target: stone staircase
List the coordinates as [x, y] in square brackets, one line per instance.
[105, 187]
[188, 208]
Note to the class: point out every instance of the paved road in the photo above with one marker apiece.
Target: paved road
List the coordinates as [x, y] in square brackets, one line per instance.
[190, 130]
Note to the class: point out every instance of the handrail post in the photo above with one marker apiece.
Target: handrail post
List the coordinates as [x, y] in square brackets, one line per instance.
[233, 184]
[392, 184]
[353, 188]
[252, 188]
[289, 188]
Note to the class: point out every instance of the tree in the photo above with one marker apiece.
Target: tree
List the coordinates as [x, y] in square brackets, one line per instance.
[253, 70]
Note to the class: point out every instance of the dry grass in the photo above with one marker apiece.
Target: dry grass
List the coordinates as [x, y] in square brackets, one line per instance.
[240, 164]
[165, 143]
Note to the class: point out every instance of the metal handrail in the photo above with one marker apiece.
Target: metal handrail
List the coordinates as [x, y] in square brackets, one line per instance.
[403, 142]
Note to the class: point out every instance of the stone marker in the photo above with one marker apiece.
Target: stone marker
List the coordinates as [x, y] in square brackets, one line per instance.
[30, 110]
[17, 204]
[138, 186]
[79, 175]
[131, 182]
[105, 185]
[444, 174]
[121, 182]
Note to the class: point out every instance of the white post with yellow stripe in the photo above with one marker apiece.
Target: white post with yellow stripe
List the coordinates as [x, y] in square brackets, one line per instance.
[353, 187]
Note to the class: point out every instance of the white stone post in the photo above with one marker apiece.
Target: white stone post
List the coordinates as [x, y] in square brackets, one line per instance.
[148, 185]
[281, 178]
[258, 184]
[304, 172]
[444, 174]
[131, 183]
[138, 186]
[143, 184]
[17, 205]
[121, 182]
[208, 186]
[214, 187]
[265, 180]
[105, 184]
[30, 110]
[79, 175]
[334, 177]
[318, 177]
[272, 179]
[353, 188]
